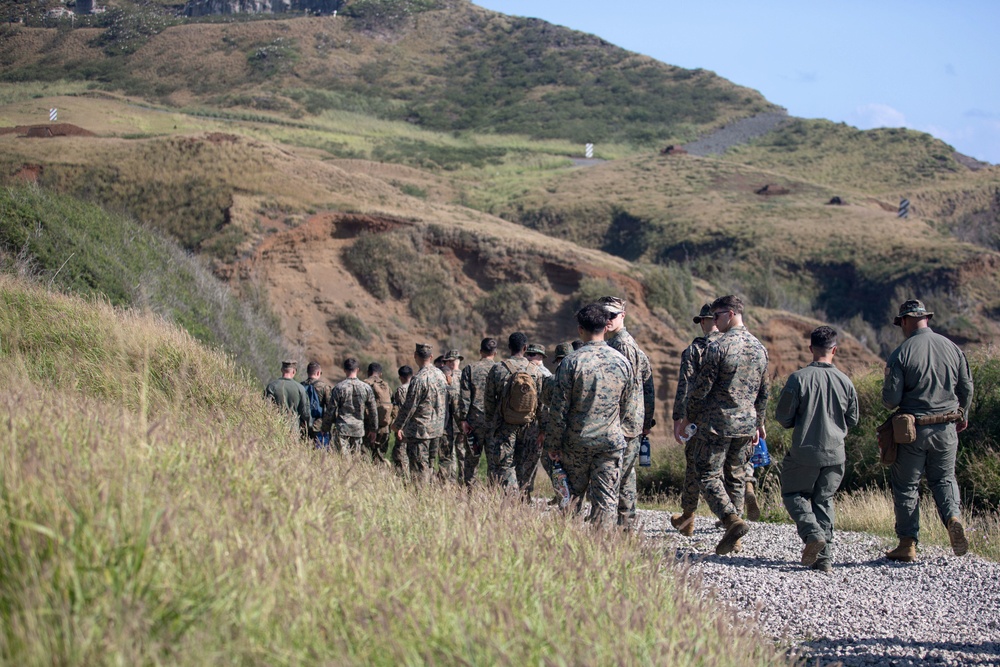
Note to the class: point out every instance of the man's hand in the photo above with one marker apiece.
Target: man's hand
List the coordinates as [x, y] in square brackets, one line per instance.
[371, 435]
[555, 456]
[680, 425]
[466, 428]
[761, 433]
[961, 426]
[540, 439]
[399, 435]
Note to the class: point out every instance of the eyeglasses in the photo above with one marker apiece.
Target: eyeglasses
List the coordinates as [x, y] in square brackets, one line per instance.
[717, 315]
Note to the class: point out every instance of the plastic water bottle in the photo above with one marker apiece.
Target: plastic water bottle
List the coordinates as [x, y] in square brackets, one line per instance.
[645, 453]
[689, 432]
[560, 484]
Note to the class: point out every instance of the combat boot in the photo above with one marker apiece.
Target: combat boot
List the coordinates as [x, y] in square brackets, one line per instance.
[738, 546]
[750, 498]
[956, 535]
[811, 551]
[735, 529]
[906, 552]
[684, 523]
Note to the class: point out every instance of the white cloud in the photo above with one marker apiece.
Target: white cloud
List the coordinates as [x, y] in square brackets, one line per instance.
[878, 115]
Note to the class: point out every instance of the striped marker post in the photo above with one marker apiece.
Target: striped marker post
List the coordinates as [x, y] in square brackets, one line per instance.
[53, 115]
[904, 208]
[588, 151]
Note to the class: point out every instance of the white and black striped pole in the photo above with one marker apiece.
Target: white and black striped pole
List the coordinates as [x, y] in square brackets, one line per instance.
[53, 115]
[588, 151]
[904, 208]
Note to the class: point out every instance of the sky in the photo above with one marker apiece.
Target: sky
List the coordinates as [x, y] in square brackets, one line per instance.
[932, 66]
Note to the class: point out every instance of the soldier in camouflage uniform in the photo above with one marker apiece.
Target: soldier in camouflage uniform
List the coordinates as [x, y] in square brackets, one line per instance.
[928, 377]
[471, 405]
[290, 396]
[544, 401]
[536, 355]
[508, 442]
[383, 399]
[593, 387]
[690, 365]
[353, 410]
[421, 419]
[399, 459]
[637, 419]
[323, 389]
[526, 458]
[448, 445]
[728, 402]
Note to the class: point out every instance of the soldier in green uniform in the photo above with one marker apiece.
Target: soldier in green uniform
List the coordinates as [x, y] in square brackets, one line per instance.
[821, 404]
[383, 400]
[544, 401]
[928, 377]
[421, 418]
[593, 386]
[728, 402]
[290, 395]
[508, 440]
[322, 389]
[399, 459]
[690, 365]
[637, 419]
[472, 389]
[353, 410]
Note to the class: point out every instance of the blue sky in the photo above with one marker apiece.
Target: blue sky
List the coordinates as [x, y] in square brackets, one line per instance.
[929, 66]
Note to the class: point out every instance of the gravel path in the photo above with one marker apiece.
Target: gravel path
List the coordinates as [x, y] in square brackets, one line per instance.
[941, 610]
[737, 133]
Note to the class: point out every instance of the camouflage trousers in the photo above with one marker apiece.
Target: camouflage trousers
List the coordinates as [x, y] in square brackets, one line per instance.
[807, 492]
[348, 444]
[691, 490]
[527, 451]
[451, 456]
[500, 464]
[379, 448]
[419, 453]
[400, 461]
[720, 463]
[627, 491]
[595, 472]
[473, 452]
[934, 453]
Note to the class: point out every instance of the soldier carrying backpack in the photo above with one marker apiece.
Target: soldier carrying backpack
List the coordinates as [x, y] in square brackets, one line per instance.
[318, 392]
[383, 398]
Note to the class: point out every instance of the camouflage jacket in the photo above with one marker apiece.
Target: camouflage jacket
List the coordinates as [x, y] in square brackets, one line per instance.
[422, 414]
[927, 375]
[376, 382]
[352, 408]
[637, 416]
[398, 398]
[473, 389]
[690, 365]
[290, 396]
[592, 387]
[728, 397]
[495, 382]
[453, 422]
[323, 389]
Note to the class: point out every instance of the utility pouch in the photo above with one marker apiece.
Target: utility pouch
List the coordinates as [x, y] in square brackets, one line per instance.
[886, 443]
[904, 428]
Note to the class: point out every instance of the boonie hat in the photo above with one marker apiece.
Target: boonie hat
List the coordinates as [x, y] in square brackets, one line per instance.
[536, 349]
[613, 304]
[705, 314]
[562, 349]
[451, 355]
[912, 308]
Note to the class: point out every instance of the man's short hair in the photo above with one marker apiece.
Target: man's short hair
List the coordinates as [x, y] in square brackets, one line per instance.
[488, 346]
[404, 372]
[729, 302]
[312, 367]
[517, 342]
[577, 344]
[823, 338]
[351, 364]
[373, 368]
[592, 318]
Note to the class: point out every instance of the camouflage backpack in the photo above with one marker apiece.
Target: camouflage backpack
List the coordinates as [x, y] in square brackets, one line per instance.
[520, 397]
[383, 396]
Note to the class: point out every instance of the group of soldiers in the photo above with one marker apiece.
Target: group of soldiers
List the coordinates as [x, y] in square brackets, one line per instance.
[588, 419]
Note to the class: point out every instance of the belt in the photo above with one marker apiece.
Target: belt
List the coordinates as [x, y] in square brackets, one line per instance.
[947, 418]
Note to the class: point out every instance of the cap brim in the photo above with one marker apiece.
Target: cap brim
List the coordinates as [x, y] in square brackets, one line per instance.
[697, 319]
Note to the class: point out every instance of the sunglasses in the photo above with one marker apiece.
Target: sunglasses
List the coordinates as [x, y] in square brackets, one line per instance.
[719, 314]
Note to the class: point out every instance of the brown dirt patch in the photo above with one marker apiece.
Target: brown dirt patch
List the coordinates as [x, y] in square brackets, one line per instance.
[47, 131]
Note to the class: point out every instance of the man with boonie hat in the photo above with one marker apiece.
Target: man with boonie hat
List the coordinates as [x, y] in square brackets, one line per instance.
[472, 390]
[536, 355]
[290, 395]
[926, 377]
[450, 446]
[421, 419]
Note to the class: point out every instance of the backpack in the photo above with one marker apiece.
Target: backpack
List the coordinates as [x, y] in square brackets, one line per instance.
[315, 406]
[383, 396]
[519, 399]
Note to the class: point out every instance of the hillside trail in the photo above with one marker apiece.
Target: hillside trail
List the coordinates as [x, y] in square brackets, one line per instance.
[738, 133]
[940, 610]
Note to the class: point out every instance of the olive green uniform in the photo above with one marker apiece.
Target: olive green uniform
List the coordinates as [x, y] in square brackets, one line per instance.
[291, 396]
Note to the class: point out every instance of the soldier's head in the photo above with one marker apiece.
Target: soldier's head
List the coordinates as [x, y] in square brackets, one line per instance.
[404, 373]
[577, 344]
[453, 359]
[517, 343]
[351, 366]
[439, 361]
[488, 347]
[535, 354]
[562, 351]
[374, 368]
[727, 312]
[422, 355]
[823, 343]
[313, 370]
[704, 319]
[616, 312]
[912, 316]
[592, 321]
[288, 368]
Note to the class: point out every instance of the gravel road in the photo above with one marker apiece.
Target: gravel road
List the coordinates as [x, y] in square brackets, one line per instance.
[739, 132]
[941, 610]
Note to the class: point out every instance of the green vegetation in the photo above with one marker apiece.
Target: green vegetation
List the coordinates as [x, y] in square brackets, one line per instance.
[158, 511]
[383, 14]
[506, 305]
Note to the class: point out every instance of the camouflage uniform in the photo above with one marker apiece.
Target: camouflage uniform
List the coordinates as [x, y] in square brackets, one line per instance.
[507, 445]
[471, 409]
[380, 447]
[690, 365]
[291, 396]
[421, 418]
[544, 401]
[353, 409]
[323, 390]
[447, 444]
[593, 386]
[636, 419]
[399, 458]
[728, 402]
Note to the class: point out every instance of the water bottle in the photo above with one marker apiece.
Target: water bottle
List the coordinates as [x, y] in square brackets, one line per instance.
[645, 458]
[689, 432]
[560, 484]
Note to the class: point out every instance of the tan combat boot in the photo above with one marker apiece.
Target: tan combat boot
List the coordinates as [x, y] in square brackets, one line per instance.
[684, 523]
[735, 529]
[906, 552]
[750, 498]
[738, 546]
[956, 535]
[811, 551]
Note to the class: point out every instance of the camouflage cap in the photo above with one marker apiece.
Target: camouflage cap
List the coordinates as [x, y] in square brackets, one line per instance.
[705, 314]
[537, 349]
[452, 355]
[288, 363]
[562, 350]
[423, 349]
[912, 308]
[612, 304]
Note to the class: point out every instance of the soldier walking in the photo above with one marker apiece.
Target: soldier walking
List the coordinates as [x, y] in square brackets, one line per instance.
[322, 390]
[399, 459]
[472, 390]
[448, 445]
[352, 408]
[290, 396]
[927, 377]
[421, 418]
[383, 401]
[544, 402]
[728, 402]
[593, 387]
[821, 404]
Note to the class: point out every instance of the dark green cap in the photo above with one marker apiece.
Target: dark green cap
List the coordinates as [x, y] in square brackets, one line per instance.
[536, 349]
[451, 355]
[912, 308]
[705, 314]
[562, 350]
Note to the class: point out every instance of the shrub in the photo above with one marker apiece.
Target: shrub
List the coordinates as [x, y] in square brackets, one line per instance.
[506, 305]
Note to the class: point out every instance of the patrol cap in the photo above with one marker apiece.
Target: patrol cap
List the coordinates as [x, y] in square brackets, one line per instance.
[562, 350]
[451, 355]
[288, 363]
[912, 308]
[705, 314]
[423, 349]
[613, 304]
[537, 349]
